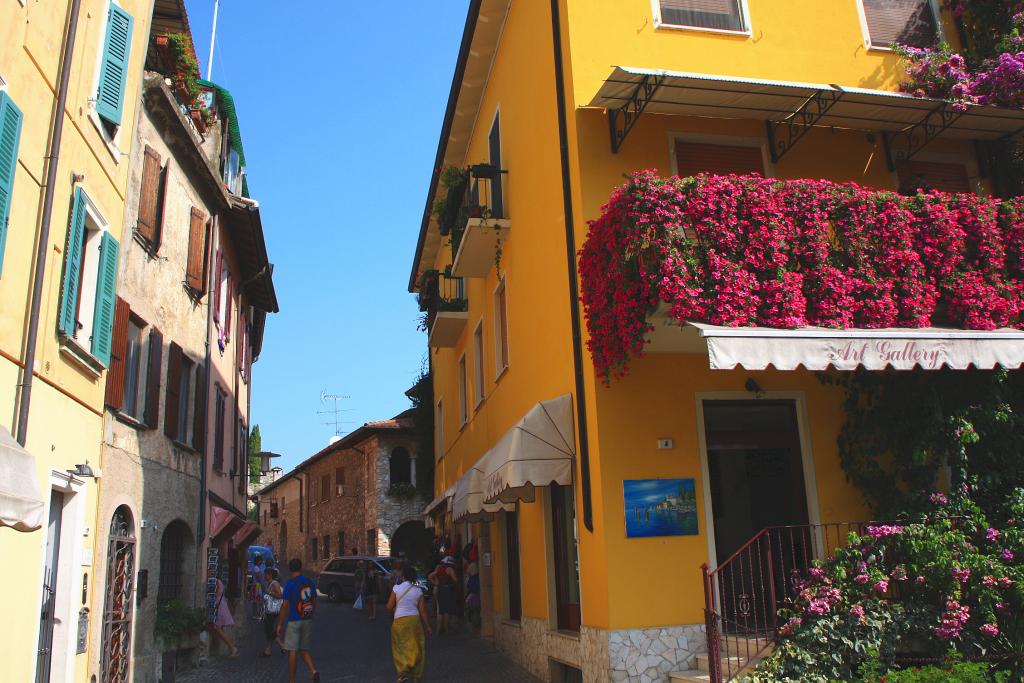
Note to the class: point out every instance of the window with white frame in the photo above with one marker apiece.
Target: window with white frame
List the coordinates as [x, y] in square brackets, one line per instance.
[715, 15]
[901, 22]
[463, 390]
[500, 329]
[478, 363]
[89, 281]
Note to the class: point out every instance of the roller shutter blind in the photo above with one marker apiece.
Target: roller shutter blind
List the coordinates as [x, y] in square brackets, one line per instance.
[698, 157]
[10, 136]
[114, 66]
[716, 14]
[904, 22]
[932, 175]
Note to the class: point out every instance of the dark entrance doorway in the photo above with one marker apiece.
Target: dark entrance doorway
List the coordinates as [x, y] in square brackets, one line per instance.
[755, 468]
[413, 540]
[567, 568]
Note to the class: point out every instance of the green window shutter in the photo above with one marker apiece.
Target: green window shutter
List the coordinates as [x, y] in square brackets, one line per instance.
[10, 133]
[106, 294]
[114, 67]
[72, 267]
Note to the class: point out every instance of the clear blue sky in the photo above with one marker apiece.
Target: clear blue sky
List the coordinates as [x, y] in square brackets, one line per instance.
[340, 106]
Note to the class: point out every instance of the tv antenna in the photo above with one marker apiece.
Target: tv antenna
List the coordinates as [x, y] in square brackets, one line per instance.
[335, 410]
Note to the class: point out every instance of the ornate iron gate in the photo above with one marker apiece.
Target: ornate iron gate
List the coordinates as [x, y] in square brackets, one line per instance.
[117, 608]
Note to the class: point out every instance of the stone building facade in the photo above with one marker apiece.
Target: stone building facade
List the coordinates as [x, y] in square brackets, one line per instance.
[357, 494]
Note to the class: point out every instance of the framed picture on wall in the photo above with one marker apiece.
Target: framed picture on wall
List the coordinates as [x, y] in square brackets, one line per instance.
[660, 507]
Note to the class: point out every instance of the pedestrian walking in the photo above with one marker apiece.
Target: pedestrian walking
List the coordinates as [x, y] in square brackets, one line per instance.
[444, 580]
[222, 620]
[369, 588]
[408, 643]
[296, 620]
[272, 600]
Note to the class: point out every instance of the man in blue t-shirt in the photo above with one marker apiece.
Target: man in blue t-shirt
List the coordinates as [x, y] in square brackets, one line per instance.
[297, 606]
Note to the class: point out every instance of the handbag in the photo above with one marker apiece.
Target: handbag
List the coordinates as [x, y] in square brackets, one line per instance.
[359, 602]
[272, 604]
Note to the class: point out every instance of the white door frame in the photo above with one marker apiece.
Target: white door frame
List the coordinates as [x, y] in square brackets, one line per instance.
[806, 455]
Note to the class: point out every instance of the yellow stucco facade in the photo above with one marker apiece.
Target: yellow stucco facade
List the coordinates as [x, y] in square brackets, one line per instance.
[65, 426]
[626, 584]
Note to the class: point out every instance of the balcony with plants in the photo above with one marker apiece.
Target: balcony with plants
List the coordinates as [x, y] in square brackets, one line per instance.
[177, 60]
[445, 308]
[472, 215]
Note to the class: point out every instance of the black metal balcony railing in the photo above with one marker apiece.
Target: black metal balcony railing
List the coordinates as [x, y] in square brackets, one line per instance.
[442, 293]
[481, 195]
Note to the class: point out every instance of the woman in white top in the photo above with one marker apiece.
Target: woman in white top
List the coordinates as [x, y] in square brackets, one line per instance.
[408, 644]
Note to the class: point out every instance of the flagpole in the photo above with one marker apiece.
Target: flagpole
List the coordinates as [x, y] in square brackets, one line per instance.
[213, 38]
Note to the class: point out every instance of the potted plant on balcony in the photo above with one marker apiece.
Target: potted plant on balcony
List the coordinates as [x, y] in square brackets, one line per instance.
[447, 208]
[179, 56]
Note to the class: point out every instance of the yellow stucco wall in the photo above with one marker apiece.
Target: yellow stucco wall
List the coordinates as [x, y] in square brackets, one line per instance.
[65, 424]
[818, 41]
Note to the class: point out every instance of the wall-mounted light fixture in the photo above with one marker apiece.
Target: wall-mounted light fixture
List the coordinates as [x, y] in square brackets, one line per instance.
[83, 471]
[753, 387]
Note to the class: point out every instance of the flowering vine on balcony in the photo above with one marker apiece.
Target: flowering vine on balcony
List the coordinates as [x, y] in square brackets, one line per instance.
[745, 250]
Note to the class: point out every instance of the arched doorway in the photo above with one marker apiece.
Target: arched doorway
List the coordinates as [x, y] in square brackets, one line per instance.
[413, 540]
[175, 547]
[120, 592]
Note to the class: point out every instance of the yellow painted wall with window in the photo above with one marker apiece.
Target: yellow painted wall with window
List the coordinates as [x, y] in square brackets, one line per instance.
[65, 423]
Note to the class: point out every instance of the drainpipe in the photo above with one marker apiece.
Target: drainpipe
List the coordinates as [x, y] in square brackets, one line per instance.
[570, 253]
[204, 453]
[42, 246]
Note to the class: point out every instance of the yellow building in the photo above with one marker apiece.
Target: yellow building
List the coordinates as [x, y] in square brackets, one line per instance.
[70, 79]
[551, 104]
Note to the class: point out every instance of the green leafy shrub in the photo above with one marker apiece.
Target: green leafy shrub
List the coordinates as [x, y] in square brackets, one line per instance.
[174, 620]
[915, 589]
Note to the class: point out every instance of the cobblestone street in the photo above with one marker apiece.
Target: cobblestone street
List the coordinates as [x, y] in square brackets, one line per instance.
[348, 647]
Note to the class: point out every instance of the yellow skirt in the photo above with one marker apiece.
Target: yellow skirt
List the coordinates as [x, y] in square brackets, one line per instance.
[408, 646]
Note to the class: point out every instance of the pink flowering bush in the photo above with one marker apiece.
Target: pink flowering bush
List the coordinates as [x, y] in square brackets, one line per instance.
[746, 250]
[927, 589]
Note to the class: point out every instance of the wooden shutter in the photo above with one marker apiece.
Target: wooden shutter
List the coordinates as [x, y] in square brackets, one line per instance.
[698, 157]
[219, 273]
[114, 67]
[906, 22]
[172, 401]
[199, 412]
[195, 269]
[10, 136]
[72, 266]
[106, 292]
[339, 476]
[149, 196]
[118, 349]
[931, 175]
[494, 156]
[718, 14]
[227, 305]
[156, 354]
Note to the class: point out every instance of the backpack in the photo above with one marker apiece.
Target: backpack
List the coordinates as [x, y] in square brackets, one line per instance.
[306, 603]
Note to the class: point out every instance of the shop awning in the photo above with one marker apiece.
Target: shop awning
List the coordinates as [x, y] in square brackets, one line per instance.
[245, 534]
[537, 451]
[468, 500]
[223, 522]
[631, 90]
[817, 348]
[21, 505]
[443, 499]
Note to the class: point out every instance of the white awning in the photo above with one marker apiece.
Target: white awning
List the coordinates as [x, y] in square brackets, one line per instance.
[21, 504]
[444, 498]
[537, 451]
[468, 502]
[714, 96]
[818, 348]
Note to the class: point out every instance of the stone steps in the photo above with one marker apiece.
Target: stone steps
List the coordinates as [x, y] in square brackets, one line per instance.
[738, 662]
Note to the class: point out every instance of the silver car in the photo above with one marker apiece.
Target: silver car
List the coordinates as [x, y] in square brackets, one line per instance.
[338, 577]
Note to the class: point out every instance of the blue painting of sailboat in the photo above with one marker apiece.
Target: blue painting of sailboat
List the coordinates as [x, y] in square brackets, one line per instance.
[660, 507]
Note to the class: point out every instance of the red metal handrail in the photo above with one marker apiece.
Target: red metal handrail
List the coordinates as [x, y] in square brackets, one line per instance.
[743, 594]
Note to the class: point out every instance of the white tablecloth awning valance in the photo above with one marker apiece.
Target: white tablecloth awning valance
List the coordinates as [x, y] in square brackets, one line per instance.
[468, 501]
[444, 498]
[817, 348]
[21, 503]
[537, 451]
